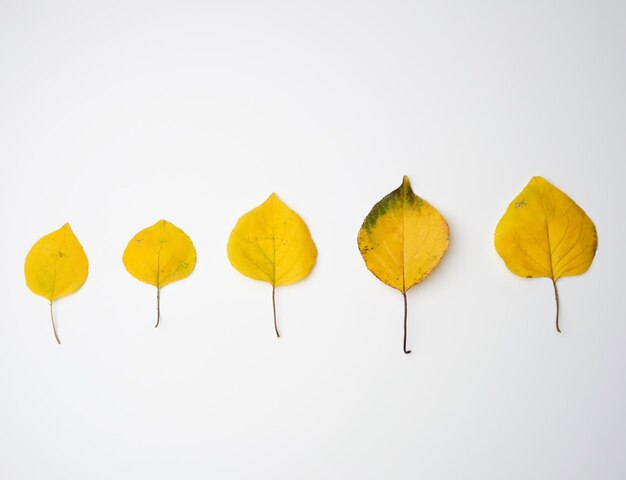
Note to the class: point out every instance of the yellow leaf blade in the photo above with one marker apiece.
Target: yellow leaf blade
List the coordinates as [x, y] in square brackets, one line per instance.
[272, 243]
[544, 233]
[56, 265]
[160, 254]
[403, 238]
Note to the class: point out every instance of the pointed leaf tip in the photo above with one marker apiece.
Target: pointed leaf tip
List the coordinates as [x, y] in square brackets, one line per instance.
[407, 189]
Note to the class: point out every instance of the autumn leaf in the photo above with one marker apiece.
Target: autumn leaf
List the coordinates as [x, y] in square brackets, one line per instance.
[56, 266]
[545, 234]
[159, 255]
[272, 243]
[402, 240]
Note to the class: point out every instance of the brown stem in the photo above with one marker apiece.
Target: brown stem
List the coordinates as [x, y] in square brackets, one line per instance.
[405, 315]
[556, 297]
[158, 307]
[53, 327]
[274, 306]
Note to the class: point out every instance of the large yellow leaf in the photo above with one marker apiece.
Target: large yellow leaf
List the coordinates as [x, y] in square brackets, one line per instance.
[159, 255]
[545, 234]
[56, 266]
[402, 240]
[272, 243]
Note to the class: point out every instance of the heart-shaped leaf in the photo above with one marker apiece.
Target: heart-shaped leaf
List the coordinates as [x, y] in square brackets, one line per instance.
[159, 255]
[272, 243]
[56, 266]
[543, 233]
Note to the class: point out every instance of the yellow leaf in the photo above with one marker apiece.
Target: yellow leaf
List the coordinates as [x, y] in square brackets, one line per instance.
[272, 243]
[159, 255]
[402, 240]
[56, 266]
[543, 233]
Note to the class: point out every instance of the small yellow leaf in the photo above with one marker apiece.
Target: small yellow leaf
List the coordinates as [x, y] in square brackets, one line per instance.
[272, 243]
[402, 240]
[56, 266]
[159, 255]
[543, 233]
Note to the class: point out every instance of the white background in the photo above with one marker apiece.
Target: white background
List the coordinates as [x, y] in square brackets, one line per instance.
[113, 116]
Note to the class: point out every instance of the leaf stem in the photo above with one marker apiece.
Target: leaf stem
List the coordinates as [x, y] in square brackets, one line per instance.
[405, 315]
[556, 297]
[53, 327]
[158, 307]
[274, 306]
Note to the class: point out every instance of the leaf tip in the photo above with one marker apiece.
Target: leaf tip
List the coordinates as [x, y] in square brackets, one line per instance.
[538, 179]
[273, 198]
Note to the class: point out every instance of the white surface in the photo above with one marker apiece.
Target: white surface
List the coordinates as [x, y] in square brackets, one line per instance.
[115, 116]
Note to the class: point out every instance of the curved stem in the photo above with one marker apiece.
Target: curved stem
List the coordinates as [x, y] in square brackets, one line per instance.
[53, 327]
[556, 297]
[405, 315]
[158, 307]
[274, 306]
